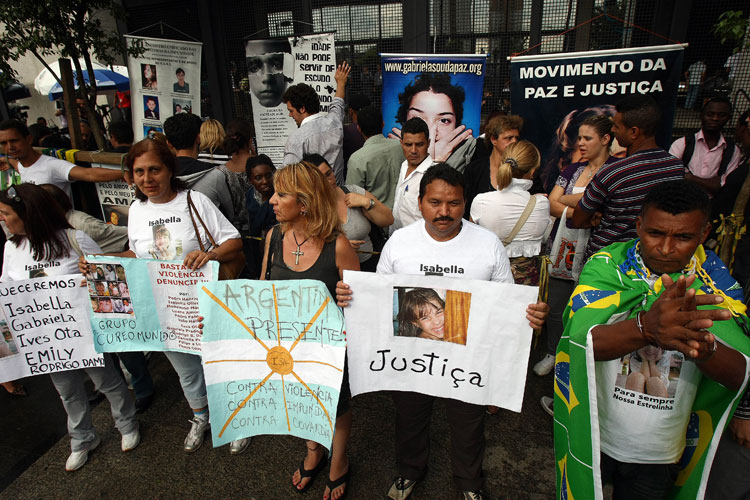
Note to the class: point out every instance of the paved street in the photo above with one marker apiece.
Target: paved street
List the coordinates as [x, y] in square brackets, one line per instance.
[519, 460]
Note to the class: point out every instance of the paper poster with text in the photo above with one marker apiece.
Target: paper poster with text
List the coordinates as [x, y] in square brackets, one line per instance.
[275, 64]
[115, 198]
[145, 305]
[165, 80]
[446, 337]
[44, 327]
[555, 93]
[273, 358]
[444, 90]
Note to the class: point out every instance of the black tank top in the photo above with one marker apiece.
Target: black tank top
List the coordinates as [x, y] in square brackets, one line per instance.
[324, 269]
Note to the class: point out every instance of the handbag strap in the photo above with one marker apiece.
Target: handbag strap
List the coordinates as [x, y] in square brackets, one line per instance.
[192, 208]
[271, 247]
[71, 234]
[521, 220]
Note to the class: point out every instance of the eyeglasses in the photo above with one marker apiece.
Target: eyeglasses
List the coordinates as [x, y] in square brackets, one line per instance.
[13, 195]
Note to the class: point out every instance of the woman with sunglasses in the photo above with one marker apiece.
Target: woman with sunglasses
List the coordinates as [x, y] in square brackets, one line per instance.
[43, 237]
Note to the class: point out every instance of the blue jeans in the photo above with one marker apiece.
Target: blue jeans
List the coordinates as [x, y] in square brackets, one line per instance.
[692, 96]
[72, 392]
[190, 371]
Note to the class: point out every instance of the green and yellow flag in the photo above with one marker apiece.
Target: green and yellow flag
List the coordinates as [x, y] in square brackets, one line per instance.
[613, 282]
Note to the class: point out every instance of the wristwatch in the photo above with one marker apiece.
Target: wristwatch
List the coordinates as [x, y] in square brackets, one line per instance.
[372, 204]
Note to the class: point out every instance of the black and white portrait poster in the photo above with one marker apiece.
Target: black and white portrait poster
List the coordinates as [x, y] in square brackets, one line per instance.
[275, 64]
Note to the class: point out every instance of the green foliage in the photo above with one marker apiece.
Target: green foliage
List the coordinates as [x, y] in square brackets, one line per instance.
[71, 28]
[731, 29]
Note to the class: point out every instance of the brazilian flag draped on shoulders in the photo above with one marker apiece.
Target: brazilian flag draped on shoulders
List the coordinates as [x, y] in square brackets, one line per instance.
[615, 282]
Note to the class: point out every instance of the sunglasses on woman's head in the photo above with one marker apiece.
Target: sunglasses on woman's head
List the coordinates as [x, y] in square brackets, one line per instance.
[13, 195]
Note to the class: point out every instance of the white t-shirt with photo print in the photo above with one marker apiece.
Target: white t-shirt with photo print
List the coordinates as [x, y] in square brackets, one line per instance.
[19, 263]
[164, 231]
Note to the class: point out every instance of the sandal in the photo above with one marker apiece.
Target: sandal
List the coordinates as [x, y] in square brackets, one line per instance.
[332, 485]
[311, 473]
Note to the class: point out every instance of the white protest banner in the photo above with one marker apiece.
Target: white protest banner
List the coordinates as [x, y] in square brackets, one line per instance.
[145, 305]
[45, 327]
[273, 357]
[165, 80]
[272, 66]
[115, 198]
[451, 338]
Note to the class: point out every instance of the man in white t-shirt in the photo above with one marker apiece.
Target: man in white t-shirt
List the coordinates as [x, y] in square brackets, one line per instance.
[442, 240]
[415, 140]
[34, 168]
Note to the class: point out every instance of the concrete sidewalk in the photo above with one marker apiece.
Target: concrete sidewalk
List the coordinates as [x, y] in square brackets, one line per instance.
[519, 460]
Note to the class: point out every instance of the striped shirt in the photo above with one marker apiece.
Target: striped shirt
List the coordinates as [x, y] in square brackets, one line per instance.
[618, 189]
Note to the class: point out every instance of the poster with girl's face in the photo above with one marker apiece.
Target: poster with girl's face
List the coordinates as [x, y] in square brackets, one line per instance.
[444, 91]
[430, 313]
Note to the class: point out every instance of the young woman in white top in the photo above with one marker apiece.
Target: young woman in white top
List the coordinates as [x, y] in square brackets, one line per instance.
[40, 239]
[594, 143]
[159, 223]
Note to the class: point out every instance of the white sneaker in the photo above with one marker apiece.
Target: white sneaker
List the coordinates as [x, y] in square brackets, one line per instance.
[547, 405]
[194, 439]
[130, 441]
[545, 366]
[401, 488]
[237, 447]
[78, 459]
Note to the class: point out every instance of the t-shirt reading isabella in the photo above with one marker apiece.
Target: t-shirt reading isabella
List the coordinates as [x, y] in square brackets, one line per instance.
[164, 231]
[19, 264]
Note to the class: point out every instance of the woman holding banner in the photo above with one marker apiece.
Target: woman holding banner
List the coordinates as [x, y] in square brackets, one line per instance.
[309, 244]
[44, 238]
[164, 203]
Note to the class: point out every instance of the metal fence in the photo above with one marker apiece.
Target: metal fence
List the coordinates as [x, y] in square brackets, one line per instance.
[495, 27]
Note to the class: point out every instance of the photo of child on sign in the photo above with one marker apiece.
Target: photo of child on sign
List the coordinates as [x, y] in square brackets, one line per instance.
[432, 314]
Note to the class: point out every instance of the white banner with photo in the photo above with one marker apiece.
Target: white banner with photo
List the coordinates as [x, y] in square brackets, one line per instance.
[165, 80]
[452, 338]
[44, 327]
[275, 64]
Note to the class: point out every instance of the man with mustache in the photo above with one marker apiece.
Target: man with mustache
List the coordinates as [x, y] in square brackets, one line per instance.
[442, 237]
[415, 140]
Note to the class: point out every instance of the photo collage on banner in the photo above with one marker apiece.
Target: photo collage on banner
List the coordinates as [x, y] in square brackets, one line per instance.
[555, 93]
[446, 337]
[275, 64]
[273, 357]
[145, 305]
[165, 80]
[45, 327]
[444, 90]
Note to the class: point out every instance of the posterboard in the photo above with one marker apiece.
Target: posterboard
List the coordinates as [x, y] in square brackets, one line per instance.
[445, 90]
[45, 327]
[165, 80]
[451, 338]
[145, 305]
[275, 64]
[273, 358]
[115, 198]
[554, 93]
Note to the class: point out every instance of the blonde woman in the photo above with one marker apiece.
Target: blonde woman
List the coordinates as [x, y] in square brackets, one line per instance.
[308, 243]
[518, 218]
[212, 137]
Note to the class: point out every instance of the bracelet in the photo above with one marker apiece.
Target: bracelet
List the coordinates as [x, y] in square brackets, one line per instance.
[639, 324]
[710, 354]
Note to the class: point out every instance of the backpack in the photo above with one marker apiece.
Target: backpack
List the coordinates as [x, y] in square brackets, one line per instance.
[725, 158]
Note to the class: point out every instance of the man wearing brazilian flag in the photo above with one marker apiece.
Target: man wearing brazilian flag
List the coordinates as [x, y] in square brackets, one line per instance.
[653, 359]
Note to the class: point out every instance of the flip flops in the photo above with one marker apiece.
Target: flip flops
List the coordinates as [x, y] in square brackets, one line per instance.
[332, 485]
[311, 473]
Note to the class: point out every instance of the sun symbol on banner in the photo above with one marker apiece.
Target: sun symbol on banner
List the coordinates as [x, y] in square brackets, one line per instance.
[278, 358]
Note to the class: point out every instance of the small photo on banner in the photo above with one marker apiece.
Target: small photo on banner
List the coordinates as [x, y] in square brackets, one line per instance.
[273, 358]
[431, 313]
[109, 291]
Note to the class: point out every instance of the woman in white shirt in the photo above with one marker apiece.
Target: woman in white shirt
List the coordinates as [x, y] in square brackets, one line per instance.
[518, 218]
[48, 245]
[159, 223]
